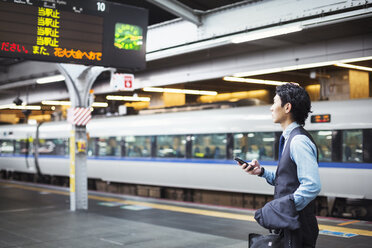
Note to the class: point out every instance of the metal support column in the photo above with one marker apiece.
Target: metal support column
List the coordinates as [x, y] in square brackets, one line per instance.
[79, 80]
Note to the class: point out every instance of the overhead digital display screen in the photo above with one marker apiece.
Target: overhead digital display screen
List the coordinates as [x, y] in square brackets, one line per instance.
[128, 37]
[321, 118]
[85, 32]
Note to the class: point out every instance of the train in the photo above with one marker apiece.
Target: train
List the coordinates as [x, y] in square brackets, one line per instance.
[194, 150]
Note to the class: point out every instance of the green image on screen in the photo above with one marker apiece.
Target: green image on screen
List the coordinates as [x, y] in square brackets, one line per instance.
[128, 37]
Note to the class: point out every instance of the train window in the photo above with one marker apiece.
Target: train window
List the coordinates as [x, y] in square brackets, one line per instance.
[352, 145]
[367, 145]
[21, 146]
[169, 146]
[254, 145]
[91, 147]
[323, 140]
[6, 146]
[53, 147]
[138, 146]
[109, 146]
[209, 146]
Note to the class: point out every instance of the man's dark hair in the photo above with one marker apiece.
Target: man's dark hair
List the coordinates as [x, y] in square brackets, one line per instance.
[298, 98]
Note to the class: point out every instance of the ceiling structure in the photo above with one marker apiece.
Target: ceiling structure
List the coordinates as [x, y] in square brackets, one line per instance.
[165, 10]
[198, 52]
[337, 31]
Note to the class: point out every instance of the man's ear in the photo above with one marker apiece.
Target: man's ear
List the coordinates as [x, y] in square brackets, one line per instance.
[287, 107]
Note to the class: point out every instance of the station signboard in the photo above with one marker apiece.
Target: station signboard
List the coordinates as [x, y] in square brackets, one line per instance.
[70, 31]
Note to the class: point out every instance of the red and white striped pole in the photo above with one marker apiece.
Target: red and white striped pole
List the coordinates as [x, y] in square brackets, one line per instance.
[79, 116]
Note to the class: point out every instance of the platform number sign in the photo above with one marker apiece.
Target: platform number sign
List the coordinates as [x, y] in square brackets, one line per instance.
[101, 6]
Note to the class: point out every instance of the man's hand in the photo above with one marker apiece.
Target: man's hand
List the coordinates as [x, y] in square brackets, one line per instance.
[253, 168]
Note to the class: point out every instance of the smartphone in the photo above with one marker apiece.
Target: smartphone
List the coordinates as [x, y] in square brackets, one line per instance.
[241, 161]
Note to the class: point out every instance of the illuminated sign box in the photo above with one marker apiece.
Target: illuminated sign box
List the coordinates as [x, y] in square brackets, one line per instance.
[84, 32]
[321, 118]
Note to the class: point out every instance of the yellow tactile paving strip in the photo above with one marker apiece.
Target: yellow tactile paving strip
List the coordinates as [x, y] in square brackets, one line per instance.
[218, 214]
[348, 222]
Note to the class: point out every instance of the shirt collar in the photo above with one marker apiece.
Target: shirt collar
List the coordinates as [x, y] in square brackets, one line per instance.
[289, 129]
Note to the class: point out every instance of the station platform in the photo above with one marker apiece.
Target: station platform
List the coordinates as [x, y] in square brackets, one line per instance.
[38, 216]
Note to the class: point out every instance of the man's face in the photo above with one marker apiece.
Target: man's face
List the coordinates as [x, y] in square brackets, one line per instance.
[278, 112]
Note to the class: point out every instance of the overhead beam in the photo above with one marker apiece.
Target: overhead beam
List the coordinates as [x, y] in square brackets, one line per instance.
[178, 9]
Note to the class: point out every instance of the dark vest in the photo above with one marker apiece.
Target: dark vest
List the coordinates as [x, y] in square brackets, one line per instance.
[286, 182]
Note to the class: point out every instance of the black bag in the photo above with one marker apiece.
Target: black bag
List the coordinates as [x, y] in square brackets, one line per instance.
[266, 241]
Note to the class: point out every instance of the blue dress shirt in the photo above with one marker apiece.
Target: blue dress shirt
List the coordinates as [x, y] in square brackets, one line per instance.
[303, 152]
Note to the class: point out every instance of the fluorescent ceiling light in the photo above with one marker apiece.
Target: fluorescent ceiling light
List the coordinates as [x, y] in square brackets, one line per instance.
[254, 81]
[357, 67]
[299, 67]
[355, 59]
[51, 79]
[100, 104]
[261, 34]
[281, 69]
[152, 55]
[62, 103]
[68, 103]
[182, 91]
[128, 98]
[27, 107]
[6, 106]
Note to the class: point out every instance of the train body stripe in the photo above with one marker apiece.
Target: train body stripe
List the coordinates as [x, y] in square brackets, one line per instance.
[200, 161]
